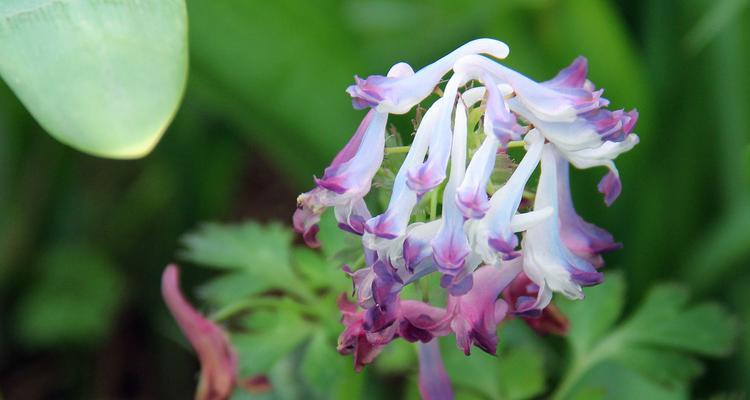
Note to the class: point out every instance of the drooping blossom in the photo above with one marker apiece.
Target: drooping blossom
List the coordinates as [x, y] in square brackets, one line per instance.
[434, 383]
[497, 259]
[217, 357]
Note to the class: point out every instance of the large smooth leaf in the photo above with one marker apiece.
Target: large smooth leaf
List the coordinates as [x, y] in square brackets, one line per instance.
[103, 76]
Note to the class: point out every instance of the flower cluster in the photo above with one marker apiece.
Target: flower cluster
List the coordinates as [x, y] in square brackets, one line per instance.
[488, 273]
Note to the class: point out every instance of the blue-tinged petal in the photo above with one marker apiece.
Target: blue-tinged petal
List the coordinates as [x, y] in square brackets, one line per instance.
[603, 155]
[450, 246]
[401, 90]
[393, 222]
[353, 177]
[352, 215]
[434, 383]
[429, 174]
[498, 120]
[471, 195]
[582, 238]
[477, 313]
[504, 203]
[547, 261]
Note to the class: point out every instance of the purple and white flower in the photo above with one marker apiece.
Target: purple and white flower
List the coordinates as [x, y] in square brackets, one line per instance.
[489, 275]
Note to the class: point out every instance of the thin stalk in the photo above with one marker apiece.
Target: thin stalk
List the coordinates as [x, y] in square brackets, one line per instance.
[433, 203]
[405, 149]
[397, 150]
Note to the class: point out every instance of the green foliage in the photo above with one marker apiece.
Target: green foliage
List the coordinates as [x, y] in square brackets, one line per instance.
[516, 373]
[265, 99]
[658, 342]
[105, 77]
[259, 258]
[280, 300]
[73, 302]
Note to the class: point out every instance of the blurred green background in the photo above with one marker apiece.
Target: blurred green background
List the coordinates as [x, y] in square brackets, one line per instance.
[83, 240]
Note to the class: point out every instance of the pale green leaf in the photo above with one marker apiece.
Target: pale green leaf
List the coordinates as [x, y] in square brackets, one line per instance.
[104, 76]
[665, 319]
[610, 381]
[247, 246]
[322, 365]
[661, 366]
[270, 337]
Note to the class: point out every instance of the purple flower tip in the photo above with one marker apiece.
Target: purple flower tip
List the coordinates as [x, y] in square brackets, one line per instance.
[381, 226]
[366, 92]
[422, 179]
[457, 285]
[525, 307]
[611, 187]
[573, 76]
[587, 278]
[472, 205]
[507, 246]
[305, 223]
[334, 184]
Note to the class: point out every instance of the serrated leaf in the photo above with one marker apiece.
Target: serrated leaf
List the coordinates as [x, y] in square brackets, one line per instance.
[321, 364]
[245, 246]
[661, 366]
[103, 76]
[654, 342]
[610, 381]
[271, 336]
[319, 273]
[231, 287]
[665, 319]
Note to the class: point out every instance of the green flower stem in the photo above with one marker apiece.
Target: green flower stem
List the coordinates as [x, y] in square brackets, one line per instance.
[405, 149]
[433, 203]
[397, 150]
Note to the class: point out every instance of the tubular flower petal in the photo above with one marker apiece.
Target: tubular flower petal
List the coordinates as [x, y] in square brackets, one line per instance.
[351, 216]
[401, 91]
[393, 222]
[426, 176]
[434, 383]
[217, 357]
[582, 238]
[505, 201]
[353, 176]
[471, 195]
[353, 340]
[477, 313]
[469, 236]
[603, 155]
[523, 291]
[450, 246]
[547, 261]
[345, 182]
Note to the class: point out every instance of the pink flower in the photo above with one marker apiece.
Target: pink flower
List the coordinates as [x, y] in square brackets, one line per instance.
[217, 357]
